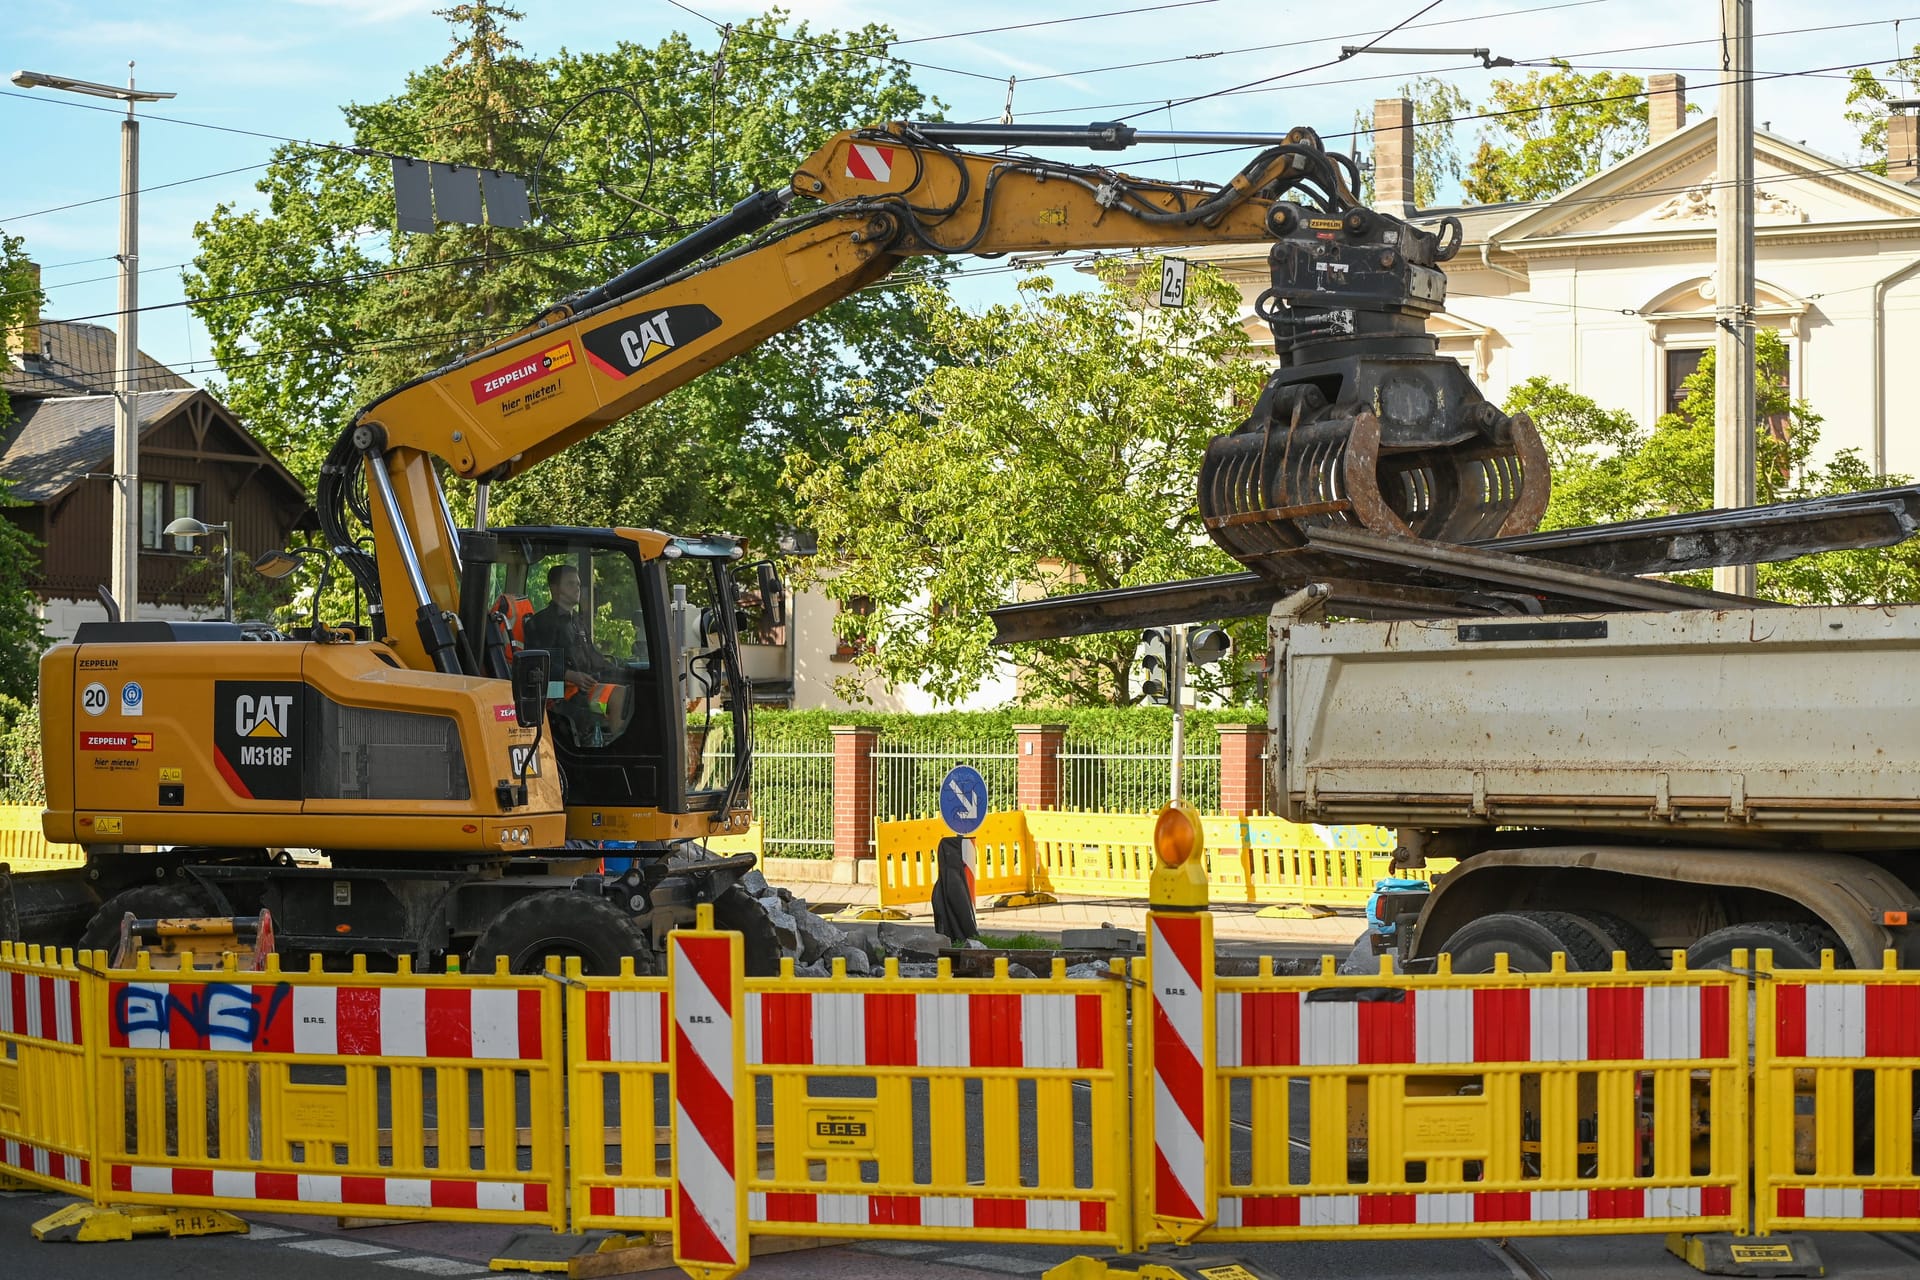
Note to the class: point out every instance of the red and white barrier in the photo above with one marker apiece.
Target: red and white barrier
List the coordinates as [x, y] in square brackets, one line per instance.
[965, 1212]
[1465, 1208]
[1439, 1027]
[627, 1027]
[28, 1158]
[1180, 958]
[331, 1189]
[707, 1126]
[40, 1007]
[326, 1021]
[924, 1030]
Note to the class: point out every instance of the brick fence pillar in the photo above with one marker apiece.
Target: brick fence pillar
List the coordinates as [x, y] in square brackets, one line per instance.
[1242, 776]
[1038, 786]
[853, 791]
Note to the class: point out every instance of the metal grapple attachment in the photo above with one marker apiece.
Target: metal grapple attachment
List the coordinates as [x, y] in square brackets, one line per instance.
[1363, 425]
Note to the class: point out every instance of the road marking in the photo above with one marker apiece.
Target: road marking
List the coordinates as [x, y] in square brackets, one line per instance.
[338, 1248]
[436, 1266]
[997, 1262]
[257, 1232]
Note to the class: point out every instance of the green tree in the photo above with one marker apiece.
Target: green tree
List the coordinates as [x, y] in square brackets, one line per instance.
[1056, 452]
[1867, 96]
[316, 305]
[21, 639]
[1559, 128]
[1608, 468]
[1436, 157]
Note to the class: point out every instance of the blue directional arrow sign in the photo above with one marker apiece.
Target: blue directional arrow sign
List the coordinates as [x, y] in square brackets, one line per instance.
[963, 799]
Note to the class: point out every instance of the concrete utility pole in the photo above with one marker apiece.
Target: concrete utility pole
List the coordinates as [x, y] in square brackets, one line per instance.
[1733, 401]
[126, 422]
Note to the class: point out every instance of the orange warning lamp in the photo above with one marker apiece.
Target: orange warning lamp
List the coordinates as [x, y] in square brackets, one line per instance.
[1179, 882]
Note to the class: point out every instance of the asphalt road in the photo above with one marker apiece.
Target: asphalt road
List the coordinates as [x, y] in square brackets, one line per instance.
[287, 1248]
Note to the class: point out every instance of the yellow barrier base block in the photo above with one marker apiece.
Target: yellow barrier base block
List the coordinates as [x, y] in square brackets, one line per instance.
[1295, 911]
[1085, 1268]
[871, 913]
[91, 1223]
[555, 1253]
[609, 1253]
[1037, 899]
[1724, 1254]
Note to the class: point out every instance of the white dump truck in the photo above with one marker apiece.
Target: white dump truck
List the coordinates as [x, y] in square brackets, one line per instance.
[1704, 780]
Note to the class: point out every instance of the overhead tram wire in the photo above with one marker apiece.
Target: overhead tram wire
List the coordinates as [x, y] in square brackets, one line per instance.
[1159, 104]
[1422, 12]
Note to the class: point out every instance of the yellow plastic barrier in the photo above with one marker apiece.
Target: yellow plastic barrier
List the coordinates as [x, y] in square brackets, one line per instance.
[1502, 1104]
[618, 1039]
[906, 854]
[46, 1111]
[375, 1095]
[936, 1109]
[24, 846]
[1111, 854]
[1322, 866]
[1835, 1057]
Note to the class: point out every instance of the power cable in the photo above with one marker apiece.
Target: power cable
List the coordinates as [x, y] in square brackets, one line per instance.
[158, 186]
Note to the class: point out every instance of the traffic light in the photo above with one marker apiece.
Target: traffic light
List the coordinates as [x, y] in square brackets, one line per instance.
[1208, 645]
[1156, 663]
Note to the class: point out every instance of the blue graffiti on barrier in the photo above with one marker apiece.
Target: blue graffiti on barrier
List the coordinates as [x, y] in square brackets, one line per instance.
[226, 1015]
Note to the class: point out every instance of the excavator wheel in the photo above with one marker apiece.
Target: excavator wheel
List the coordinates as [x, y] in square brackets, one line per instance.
[562, 923]
[738, 910]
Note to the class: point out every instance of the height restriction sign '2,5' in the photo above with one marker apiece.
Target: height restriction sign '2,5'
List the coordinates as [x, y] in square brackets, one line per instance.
[963, 799]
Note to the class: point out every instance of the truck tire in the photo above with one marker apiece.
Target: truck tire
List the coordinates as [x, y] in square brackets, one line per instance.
[1615, 934]
[736, 909]
[1794, 946]
[145, 901]
[562, 923]
[1529, 939]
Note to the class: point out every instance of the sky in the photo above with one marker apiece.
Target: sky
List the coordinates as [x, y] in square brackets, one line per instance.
[284, 68]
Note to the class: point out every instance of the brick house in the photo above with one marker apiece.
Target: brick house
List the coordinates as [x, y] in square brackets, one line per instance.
[196, 460]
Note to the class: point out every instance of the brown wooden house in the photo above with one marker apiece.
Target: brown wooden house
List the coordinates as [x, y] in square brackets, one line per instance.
[195, 460]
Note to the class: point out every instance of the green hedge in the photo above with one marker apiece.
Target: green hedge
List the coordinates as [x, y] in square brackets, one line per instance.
[1119, 727]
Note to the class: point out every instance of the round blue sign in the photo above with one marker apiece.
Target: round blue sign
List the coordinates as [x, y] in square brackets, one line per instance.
[963, 799]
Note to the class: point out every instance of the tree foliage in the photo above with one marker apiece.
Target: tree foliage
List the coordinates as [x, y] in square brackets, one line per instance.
[316, 304]
[1056, 452]
[21, 638]
[1557, 128]
[1609, 468]
[1867, 96]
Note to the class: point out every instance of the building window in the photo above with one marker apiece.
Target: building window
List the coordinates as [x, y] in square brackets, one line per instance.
[846, 650]
[161, 503]
[1682, 362]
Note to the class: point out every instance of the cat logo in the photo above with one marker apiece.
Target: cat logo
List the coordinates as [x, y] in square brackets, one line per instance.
[625, 347]
[266, 716]
[257, 738]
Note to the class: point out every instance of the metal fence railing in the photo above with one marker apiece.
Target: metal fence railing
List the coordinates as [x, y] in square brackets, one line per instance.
[792, 793]
[1097, 781]
[907, 774]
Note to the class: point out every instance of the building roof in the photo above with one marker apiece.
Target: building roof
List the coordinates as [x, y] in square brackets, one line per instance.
[53, 443]
[78, 359]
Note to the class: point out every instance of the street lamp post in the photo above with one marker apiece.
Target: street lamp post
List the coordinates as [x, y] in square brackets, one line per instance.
[188, 527]
[126, 442]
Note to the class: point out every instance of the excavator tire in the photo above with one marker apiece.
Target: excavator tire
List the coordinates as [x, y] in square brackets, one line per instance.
[562, 923]
[146, 902]
[736, 909]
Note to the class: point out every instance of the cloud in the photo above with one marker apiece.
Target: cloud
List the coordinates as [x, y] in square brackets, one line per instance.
[364, 12]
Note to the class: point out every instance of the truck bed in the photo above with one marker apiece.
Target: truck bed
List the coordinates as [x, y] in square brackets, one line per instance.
[1797, 726]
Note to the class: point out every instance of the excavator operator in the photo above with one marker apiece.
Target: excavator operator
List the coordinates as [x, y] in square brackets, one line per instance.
[595, 705]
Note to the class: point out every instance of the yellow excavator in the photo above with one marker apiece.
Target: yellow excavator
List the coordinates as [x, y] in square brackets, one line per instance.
[523, 690]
